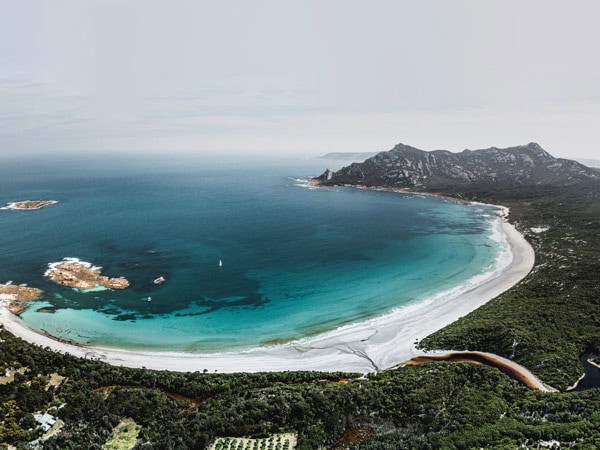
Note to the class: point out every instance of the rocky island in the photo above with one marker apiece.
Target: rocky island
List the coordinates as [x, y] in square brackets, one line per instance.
[14, 297]
[78, 274]
[28, 205]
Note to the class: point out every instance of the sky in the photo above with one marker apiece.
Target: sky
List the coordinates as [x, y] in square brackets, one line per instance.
[298, 77]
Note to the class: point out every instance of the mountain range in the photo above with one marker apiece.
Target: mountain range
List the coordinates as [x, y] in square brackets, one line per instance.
[408, 167]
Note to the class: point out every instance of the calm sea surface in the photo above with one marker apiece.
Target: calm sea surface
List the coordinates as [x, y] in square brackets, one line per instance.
[296, 261]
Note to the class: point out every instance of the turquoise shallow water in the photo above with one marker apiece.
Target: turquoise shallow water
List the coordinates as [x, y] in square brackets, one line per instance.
[296, 261]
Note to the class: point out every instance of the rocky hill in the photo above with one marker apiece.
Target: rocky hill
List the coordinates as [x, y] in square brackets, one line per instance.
[408, 167]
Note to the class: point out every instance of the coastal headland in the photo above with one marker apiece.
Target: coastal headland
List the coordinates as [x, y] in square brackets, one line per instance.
[72, 272]
[548, 321]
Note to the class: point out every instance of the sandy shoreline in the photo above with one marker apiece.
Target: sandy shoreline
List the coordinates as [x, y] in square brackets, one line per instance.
[368, 346]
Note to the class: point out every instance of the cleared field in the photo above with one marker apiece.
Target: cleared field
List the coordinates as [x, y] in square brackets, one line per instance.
[124, 436]
[284, 441]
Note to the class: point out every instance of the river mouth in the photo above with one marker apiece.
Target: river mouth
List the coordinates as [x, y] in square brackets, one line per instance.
[591, 374]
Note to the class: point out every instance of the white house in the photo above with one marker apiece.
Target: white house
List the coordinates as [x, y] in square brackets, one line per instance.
[46, 420]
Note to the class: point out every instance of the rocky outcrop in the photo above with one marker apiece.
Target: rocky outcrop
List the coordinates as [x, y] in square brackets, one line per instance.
[408, 167]
[82, 275]
[328, 175]
[30, 204]
[15, 297]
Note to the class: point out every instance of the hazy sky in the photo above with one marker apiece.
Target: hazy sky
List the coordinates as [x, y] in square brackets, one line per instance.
[298, 76]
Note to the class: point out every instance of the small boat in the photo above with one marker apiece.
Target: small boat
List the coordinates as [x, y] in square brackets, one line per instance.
[149, 299]
[220, 263]
[160, 280]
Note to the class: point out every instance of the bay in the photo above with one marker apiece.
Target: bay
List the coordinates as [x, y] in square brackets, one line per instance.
[296, 261]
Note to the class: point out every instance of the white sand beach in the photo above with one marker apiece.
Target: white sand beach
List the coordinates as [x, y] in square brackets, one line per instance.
[368, 346]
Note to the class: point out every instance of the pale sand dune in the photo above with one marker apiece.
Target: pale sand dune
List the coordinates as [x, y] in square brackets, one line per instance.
[364, 347]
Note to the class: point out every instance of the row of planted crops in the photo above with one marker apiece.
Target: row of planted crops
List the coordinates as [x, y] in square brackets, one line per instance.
[275, 442]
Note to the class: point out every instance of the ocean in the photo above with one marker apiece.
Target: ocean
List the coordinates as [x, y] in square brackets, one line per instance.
[296, 261]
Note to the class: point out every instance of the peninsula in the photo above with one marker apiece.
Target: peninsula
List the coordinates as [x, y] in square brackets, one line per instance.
[548, 320]
[83, 275]
[28, 205]
[446, 172]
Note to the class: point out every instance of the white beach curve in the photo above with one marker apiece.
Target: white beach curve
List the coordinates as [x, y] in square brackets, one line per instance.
[368, 346]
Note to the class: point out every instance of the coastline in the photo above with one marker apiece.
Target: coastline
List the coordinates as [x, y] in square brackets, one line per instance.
[369, 346]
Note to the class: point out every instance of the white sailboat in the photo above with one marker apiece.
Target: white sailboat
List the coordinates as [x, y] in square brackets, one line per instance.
[220, 263]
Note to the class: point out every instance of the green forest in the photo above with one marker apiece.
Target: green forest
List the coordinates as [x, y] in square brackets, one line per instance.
[546, 323]
[436, 405]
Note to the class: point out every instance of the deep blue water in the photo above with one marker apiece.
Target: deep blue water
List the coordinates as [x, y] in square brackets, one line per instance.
[296, 261]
